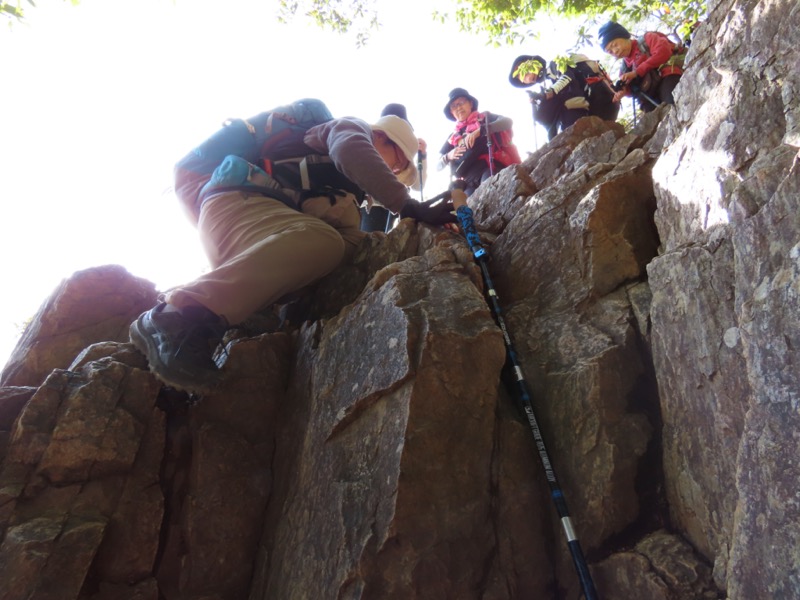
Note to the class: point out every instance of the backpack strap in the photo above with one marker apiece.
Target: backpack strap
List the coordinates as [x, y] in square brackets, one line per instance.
[643, 45]
[673, 66]
[312, 159]
[315, 173]
[250, 189]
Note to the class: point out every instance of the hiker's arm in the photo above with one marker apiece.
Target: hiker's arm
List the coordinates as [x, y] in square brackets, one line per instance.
[348, 142]
[499, 123]
[561, 84]
[448, 155]
[660, 52]
[495, 123]
[627, 73]
[619, 95]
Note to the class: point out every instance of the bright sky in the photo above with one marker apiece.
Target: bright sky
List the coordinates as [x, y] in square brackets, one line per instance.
[99, 101]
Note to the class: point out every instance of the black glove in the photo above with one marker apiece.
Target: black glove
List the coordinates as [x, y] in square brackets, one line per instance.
[430, 212]
[538, 96]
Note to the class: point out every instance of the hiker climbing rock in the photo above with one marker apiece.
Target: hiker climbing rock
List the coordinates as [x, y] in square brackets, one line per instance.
[582, 90]
[375, 217]
[472, 155]
[652, 64]
[253, 225]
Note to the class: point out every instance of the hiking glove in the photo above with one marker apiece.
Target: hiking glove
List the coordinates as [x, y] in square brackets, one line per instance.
[438, 214]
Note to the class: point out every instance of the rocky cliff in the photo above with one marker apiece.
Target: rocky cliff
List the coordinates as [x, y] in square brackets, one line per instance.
[650, 282]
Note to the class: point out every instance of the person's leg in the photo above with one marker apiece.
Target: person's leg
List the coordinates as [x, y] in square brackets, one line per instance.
[570, 115]
[259, 250]
[376, 219]
[179, 345]
[605, 108]
[645, 102]
[342, 213]
[476, 175]
[666, 87]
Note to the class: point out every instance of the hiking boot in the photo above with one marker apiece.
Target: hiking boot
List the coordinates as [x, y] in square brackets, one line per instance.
[179, 346]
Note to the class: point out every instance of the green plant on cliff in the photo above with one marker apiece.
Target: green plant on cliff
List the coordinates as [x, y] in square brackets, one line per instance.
[501, 21]
[506, 21]
[15, 11]
[509, 21]
[341, 16]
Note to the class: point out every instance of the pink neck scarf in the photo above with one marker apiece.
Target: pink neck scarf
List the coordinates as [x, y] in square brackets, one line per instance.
[469, 125]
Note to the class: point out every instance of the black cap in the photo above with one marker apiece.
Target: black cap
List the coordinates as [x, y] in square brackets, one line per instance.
[612, 31]
[459, 93]
[517, 62]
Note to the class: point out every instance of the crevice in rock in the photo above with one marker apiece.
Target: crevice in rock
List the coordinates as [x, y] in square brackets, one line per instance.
[174, 477]
[649, 481]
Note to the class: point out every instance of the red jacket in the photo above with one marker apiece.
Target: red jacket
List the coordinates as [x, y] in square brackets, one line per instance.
[661, 49]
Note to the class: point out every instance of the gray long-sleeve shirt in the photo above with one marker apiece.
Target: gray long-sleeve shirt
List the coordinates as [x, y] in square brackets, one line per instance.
[348, 141]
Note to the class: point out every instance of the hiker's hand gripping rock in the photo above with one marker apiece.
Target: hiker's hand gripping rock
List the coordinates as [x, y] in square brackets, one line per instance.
[436, 211]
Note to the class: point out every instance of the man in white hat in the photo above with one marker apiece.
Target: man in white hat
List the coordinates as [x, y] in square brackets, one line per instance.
[260, 249]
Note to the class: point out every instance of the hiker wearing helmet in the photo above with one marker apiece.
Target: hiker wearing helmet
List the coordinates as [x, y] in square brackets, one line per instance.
[262, 246]
[375, 217]
[652, 65]
[467, 151]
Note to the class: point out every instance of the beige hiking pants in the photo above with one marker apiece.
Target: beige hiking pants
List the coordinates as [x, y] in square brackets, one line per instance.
[259, 250]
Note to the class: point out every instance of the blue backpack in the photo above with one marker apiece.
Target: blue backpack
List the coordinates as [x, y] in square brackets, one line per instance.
[271, 135]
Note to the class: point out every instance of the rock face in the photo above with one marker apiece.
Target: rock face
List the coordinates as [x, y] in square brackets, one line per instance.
[92, 305]
[725, 299]
[650, 283]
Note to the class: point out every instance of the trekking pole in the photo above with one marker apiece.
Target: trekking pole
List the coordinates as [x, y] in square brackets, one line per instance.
[419, 168]
[464, 214]
[534, 108]
[489, 145]
[389, 222]
[638, 91]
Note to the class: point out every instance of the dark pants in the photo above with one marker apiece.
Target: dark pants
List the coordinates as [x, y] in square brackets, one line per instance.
[566, 118]
[477, 174]
[377, 219]
[662, 93]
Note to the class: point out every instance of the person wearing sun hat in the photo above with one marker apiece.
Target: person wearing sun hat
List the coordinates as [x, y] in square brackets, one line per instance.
[375, 217]
[399, 131]
[466, 151]
[652, 65]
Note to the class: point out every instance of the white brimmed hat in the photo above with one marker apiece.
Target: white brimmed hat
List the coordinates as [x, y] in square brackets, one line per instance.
[400, 132]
